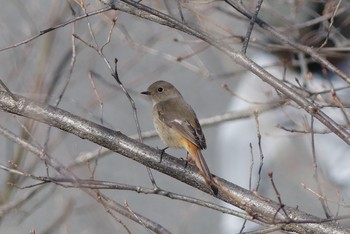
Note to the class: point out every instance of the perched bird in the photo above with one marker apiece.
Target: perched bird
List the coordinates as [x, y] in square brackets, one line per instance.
[177, 125]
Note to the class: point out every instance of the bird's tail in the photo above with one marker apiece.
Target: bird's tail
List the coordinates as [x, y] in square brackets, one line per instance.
[198, 158]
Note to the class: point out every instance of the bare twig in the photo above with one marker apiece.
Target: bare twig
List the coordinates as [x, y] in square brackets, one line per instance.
[261, 154]
[330, 25]
[55, 27]
[98, 97]
[322, 199]
[132, 102]
[157, 228]
[279, 199]
[251, 26]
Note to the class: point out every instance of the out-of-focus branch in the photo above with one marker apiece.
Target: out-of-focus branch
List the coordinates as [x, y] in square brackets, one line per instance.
[54, 28]
[313, 109]
[262, 209]
[306, 49]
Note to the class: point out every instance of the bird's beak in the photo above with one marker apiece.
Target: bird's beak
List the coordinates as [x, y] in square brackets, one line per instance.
[146, 93]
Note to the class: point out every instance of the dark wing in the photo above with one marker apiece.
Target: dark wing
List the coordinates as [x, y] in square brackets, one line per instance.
[191, 130]
[200, 134]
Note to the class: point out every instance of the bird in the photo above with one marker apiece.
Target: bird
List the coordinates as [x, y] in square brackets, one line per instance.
[177, 125]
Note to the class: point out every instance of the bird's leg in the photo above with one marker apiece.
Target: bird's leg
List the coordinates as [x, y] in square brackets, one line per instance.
[187, 160]
[162, 151]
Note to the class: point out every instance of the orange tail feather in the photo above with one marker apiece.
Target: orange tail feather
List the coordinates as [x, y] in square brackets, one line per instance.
[197, 157]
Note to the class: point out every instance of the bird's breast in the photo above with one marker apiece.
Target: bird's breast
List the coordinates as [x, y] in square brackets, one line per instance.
[169, 136]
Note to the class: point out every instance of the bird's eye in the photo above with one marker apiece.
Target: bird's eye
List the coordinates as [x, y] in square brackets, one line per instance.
[160, 90]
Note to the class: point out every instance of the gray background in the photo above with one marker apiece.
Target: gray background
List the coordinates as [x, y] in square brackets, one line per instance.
[31, 68]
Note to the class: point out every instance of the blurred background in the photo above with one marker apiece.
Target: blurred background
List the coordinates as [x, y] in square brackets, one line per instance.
[58, 64]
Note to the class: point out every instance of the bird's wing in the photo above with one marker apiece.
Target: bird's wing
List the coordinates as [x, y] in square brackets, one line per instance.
[191, 131]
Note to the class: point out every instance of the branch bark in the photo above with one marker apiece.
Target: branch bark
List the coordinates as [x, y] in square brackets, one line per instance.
[261, 209]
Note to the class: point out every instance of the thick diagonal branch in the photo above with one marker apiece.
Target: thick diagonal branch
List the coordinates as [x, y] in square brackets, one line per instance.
[260, 208]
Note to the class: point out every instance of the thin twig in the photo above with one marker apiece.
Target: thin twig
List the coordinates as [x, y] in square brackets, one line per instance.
[136, 216]
[261, 154]
[322, 199]
[61, 94]
[282, 206]
[330, 25]
[138, 128]
[251, 26]
[98, 97]
[56, 27]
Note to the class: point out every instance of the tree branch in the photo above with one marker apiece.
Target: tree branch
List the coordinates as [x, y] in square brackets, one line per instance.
[262, 209]
[151, 14]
